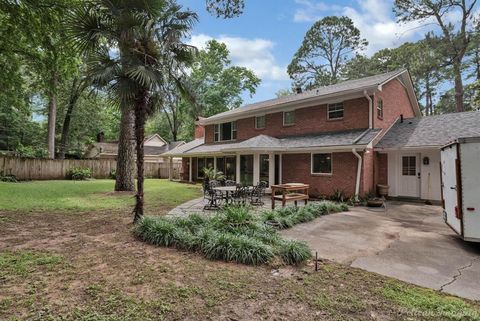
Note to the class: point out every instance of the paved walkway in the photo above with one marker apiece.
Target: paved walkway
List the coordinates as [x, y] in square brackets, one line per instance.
[409, 242]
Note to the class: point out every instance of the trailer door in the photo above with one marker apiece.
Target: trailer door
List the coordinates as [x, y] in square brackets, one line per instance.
[452, 211]
[470, 160]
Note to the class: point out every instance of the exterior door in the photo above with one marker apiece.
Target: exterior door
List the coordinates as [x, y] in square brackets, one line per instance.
[450, 188]
[409, 183]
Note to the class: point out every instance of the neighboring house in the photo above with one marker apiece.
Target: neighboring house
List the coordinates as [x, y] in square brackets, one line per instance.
[154, 147]
[325, 137]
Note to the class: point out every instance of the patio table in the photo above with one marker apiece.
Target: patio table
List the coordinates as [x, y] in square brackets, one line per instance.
[227, 190]
[290, 192]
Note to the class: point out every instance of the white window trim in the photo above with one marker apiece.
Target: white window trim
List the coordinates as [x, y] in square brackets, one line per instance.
[264, 124]
[321, 174]
[233, 129]
[378, 100]
[328, 111]
[294, 115]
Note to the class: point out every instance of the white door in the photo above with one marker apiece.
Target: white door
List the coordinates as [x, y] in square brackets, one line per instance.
[450, 188]
[409, 183]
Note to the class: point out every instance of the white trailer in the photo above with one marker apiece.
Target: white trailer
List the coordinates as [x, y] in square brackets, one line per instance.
[460, 168]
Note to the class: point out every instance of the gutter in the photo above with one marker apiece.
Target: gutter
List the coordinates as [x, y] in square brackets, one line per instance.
[370, 109]
[359, 172]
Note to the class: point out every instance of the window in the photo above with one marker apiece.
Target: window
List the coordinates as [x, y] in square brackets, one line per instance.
[227, 165]
[322, 163]
[380, 108]
[409, 166]
[225, 131]
[335, 111]
[288, 118]
[260, 122]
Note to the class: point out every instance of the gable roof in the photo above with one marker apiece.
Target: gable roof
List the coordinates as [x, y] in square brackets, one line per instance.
[356, 137]
[431, 131]
[356, 86]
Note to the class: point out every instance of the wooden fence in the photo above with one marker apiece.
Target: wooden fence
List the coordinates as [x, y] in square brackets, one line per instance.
[45, 169]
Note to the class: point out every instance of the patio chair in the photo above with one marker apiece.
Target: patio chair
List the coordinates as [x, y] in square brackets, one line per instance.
[213, 198]
[257, 194]
[239, 197]
[230, 182]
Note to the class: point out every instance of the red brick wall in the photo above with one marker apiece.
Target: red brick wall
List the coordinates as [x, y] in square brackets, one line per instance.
[296, 168]
[381, 169]
[368, 182]
[307, 121]
[199, 131]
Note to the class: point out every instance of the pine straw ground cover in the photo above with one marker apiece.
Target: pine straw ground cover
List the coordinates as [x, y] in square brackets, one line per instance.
[235, 234]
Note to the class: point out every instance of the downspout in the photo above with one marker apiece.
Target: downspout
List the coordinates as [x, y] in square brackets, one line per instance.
[370, 109]
[359, 172]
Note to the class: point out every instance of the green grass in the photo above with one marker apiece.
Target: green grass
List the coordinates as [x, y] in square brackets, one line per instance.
[88, 195]
[421, 302]
[22, 263]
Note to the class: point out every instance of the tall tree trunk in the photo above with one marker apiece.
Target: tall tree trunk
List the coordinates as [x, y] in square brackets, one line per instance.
[75, 92]
[140, 114]
[458, 86]
[52, 115]
[125, 173]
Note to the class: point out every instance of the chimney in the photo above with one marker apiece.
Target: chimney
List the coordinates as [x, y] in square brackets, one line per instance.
[298, 90]
[199, 129]
[401, 118]
[100, 137]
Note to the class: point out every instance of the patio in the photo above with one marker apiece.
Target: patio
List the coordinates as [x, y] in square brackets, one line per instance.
[196, 206]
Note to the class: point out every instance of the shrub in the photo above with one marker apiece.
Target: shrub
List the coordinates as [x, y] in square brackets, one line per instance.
[8, 178]
[31, 152]
[235, 215]
[113, 174]
[294, 252]
[79, 174]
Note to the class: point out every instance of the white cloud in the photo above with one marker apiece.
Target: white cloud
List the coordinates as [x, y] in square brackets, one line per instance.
[255, 54]
[373, 18]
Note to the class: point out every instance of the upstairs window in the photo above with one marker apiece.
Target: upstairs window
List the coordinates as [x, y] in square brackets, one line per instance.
[288, 118]
[322, 163]
[259, 122]
[335, 111]
[380, 108]
[225, 132]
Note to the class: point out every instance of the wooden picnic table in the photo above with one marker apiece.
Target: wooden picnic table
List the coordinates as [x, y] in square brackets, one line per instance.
[290, 192]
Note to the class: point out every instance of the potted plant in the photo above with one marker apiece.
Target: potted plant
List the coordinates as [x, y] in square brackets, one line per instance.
[211, 174]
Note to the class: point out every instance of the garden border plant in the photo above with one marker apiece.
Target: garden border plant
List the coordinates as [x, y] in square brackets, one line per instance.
[235, 234]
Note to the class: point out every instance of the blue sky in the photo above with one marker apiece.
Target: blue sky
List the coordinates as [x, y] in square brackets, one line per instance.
[269, 32]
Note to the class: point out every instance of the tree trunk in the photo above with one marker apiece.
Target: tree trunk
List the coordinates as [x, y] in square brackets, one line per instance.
[125, 171]
[74, 95]
[458, 86]
[52, 115]
[140, 114]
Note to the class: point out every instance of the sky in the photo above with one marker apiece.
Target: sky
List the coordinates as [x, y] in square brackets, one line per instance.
[269, 32]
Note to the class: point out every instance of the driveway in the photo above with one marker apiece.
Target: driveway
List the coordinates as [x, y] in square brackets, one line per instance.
[408, 241]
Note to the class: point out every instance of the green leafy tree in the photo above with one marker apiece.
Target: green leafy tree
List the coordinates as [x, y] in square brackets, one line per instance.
[327, 46]
[455, 38]
[150, 51]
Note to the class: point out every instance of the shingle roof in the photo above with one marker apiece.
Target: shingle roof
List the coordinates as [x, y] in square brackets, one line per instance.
[432, 131]
[185, 147]
[356, 84]
[263, 142]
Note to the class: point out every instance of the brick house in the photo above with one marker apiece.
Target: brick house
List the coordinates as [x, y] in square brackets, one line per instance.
[325, 137]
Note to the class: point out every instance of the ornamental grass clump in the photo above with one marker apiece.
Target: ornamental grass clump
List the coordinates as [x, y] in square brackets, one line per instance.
[294, 252]
[234, 235]
[287, 217]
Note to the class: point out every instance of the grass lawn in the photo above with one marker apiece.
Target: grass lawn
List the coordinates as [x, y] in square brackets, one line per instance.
[89, 267]
[89, 195]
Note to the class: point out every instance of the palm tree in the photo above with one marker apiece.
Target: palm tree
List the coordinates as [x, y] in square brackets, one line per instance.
[138, 46]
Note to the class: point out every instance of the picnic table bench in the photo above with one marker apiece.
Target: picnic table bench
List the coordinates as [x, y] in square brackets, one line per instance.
[290, 192]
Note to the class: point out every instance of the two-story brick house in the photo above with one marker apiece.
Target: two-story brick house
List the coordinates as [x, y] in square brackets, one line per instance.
[323, 137]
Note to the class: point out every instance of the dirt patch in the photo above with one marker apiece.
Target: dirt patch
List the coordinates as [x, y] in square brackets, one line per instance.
[109, 274]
